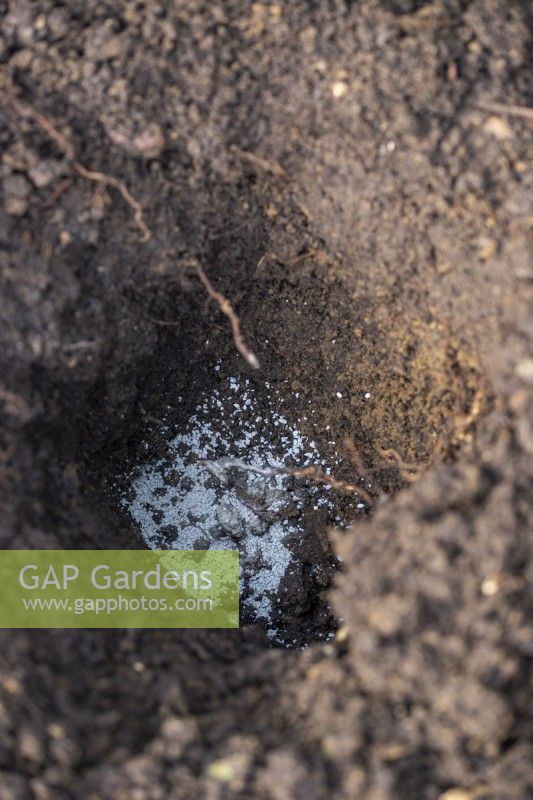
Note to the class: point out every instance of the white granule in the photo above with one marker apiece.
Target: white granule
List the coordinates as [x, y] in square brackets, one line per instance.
[196, 498]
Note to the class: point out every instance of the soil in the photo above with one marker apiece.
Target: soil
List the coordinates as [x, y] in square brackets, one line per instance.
[341, 172]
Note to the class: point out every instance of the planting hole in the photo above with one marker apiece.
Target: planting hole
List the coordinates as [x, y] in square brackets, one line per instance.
[220, 485]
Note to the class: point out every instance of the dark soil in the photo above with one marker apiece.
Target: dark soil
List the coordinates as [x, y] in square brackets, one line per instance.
[381, 246]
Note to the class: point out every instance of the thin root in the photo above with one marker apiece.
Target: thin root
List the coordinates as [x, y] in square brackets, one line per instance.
[475, 410]
[227, 309]
[61, 187]
[308, 473]
[315, 474]
[99, 177]
[109, 180]
[261, 163]
[355, 457]
[503, 108]
[410, 472]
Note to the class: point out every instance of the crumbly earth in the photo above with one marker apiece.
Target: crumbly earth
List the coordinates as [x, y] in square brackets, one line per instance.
[342, 174]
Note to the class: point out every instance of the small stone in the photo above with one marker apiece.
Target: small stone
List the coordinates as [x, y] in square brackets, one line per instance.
[487, 248]
[339, 89]
[150, 142]
[18, 158]
[30, 747]
[119, 89]
[16, 206]
[234, 767]
[56, 730]
[111, 48]
[11, 685]
[524, 370]
[176, 735]
[221, 770]
[57, 23]
[498, 128]
[193, 149]
[16, 191]
[490, 586]
[22, 58]
[230, 521]
[44, 172]
[342, 635]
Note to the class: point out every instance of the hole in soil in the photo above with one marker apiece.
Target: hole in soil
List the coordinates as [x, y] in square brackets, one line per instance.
[221, 484]
[201, 464]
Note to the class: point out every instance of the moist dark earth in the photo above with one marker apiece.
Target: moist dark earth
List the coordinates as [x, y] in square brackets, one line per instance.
[355, 177]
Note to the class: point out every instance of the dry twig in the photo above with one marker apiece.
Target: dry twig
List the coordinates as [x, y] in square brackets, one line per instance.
[99, 177]
[227, 309]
